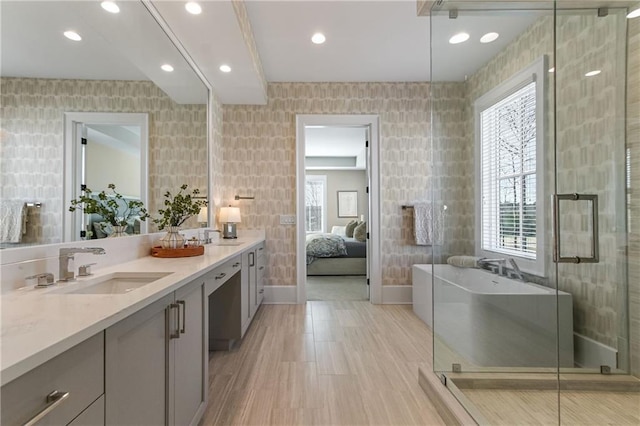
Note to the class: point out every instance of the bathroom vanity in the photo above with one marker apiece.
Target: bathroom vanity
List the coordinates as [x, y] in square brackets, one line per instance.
[93, 352]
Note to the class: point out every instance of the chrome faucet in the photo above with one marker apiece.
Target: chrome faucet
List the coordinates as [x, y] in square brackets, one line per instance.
[502, 263]
[66, 254]
[516, 270]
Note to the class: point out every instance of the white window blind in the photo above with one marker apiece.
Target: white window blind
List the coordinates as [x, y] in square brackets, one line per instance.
[508, 174]
[315, 203]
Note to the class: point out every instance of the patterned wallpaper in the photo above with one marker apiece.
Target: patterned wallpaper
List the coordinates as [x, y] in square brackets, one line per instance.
[31, 144]
[589, 153]
[259, 144]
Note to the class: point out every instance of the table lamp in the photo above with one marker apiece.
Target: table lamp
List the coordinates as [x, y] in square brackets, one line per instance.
[228, 217]
[203, 217]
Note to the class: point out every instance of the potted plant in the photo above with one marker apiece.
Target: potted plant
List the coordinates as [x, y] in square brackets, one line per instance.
[111, 206]
[178, 208]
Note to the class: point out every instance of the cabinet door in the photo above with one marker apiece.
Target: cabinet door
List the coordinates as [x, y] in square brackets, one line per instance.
[253, 285]
[136, 367]
[261, 266]
[190, 356]
[244, 293]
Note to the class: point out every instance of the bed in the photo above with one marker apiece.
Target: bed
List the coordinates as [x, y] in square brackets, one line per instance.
[334, 254]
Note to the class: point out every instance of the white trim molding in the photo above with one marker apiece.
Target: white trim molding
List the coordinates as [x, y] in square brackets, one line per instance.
[372, 123]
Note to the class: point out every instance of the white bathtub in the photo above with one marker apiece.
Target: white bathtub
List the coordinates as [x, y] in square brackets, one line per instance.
[494, 321]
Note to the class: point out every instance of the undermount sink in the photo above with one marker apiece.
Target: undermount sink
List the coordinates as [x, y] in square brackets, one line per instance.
[114, 283]
[228, 243]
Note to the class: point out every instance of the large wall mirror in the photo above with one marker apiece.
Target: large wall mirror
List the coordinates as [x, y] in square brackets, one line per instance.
[114, 70]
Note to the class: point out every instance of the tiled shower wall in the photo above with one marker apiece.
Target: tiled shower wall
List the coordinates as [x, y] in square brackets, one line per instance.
[590, 155]
[633, 167]
[31, 141]
[260, 160]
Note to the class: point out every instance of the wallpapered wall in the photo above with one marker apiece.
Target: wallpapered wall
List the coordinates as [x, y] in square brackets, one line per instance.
[259, 147]
[590, 154]
[31, 142]
[343, 180]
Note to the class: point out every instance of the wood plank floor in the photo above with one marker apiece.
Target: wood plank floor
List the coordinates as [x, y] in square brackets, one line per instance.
[324, 363]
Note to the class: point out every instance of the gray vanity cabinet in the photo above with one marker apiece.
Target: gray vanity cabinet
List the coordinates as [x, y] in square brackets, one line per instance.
[62, 389]
[155, 371]
[253, 267]
[136, 367]
[189, 373]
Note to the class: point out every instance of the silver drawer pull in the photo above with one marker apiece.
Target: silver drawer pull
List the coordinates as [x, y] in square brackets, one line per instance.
[184, 315]
[54, 399]
[261, 248]
[222, 275]
[261, 268]
[235, 265]
[261, 290]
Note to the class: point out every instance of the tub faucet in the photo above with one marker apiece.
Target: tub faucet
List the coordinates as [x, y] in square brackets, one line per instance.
[516, 270]
[66, 254]
[500, 262]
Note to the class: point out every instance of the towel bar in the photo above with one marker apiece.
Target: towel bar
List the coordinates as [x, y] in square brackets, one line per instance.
[33, 204]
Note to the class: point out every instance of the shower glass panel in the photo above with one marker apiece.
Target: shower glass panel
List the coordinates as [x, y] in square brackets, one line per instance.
[596, 145]
[536, 154]
[495, 304]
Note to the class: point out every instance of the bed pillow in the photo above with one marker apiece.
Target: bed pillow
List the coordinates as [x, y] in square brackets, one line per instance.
[348, 229]
[360, 232]
[338, 230]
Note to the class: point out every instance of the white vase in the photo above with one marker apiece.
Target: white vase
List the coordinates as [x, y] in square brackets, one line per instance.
[118, 231]
[172, 239]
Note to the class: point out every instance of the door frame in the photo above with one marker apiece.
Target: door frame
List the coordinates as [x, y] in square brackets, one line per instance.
[373, 171]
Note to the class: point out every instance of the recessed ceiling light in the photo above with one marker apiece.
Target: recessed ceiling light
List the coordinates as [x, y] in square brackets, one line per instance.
[72, 35]
[552, 69]
[225, 68]
[459, 38]
[193, 8]
[634, 13]
[489, 37]
[110, 6]
[592, 73]
[167, 68]
[318, 38]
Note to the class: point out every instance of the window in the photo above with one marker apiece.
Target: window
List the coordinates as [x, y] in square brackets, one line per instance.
[509, 167]
[316, 203]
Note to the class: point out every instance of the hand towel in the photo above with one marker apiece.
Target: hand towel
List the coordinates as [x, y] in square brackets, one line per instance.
[428, 224]
[464, 261]
[13, 217]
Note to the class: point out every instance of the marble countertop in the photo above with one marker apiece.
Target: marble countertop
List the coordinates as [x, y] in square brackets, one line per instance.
[38, 324]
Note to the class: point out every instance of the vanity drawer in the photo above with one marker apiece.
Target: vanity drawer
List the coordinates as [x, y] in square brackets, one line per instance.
[260, 249]
[78, 371]
[262, 267]
[220, 275]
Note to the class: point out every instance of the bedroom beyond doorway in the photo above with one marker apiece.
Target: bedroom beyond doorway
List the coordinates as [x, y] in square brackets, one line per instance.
[336, 158]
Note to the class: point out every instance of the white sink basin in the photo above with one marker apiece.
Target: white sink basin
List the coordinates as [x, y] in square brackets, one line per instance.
[228, 243]
[114, 283]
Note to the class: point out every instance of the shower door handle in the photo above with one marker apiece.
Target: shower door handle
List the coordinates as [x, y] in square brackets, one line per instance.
[595, 244]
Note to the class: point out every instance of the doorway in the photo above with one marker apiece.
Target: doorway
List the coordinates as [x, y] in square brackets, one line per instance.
[337, 208]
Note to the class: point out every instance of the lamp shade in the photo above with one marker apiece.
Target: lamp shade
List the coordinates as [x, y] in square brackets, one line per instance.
[203, 216]
[229, 215]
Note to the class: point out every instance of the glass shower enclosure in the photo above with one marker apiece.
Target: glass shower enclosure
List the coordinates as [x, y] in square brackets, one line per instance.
[535, 120]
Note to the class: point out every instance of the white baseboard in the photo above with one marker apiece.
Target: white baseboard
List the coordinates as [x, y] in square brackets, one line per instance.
[286, 294]
[397, 294]
[280, 294]
[587, 353]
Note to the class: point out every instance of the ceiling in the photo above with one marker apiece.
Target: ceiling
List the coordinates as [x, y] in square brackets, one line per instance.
[262, 41]
[328, 144]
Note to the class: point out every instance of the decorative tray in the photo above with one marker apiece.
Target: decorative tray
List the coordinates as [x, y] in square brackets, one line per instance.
[177, 252]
